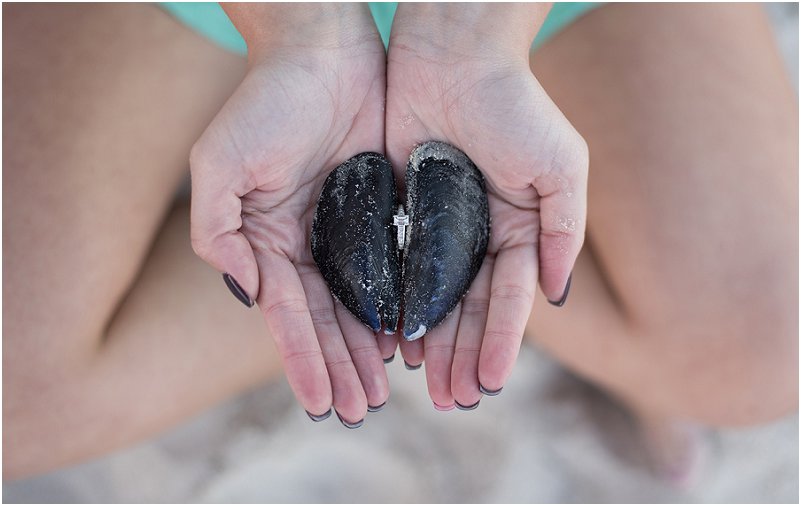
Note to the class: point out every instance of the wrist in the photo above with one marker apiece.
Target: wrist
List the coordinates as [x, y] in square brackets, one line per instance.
[469, 29]
[270, 28]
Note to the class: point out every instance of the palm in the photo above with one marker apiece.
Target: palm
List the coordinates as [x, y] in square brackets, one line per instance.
[507, 125]
[298, 153]
[279, 135]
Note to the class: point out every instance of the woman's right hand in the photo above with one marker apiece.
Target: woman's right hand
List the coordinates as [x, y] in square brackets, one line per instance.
[313, 97]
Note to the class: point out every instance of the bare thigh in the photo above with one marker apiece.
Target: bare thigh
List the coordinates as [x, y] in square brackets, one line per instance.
[106, 329]
[684, 300]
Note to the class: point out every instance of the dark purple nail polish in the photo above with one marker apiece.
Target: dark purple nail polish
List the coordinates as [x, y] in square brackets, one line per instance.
[390, 359]
[561, 302]
[491, 393]
[412, 367]
[349, 425]
[375, 409]
[319, 418]
[237, 290]
[467, 408]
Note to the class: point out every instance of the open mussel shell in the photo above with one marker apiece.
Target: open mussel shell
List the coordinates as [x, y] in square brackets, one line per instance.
[448, 235]
[353, 241]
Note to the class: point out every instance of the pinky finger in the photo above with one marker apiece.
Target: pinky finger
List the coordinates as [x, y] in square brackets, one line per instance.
[387, 344]
[413, 353]
[473, 320]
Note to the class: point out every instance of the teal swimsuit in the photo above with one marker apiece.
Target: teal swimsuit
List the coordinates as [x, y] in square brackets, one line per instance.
[209, 20]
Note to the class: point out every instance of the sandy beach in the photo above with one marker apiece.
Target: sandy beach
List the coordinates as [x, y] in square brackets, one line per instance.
[548, 438]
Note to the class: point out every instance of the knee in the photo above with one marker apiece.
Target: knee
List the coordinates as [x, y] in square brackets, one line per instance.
[736, 368]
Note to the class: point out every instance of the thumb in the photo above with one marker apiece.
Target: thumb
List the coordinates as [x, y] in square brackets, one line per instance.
[563, 215]
[215, 220]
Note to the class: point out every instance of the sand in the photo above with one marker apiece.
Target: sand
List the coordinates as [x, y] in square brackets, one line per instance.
[548, 437]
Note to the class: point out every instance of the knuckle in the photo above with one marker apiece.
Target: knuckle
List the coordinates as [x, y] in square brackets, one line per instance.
[324, 316]
[503, 333]
[465, 354]
[197, 156]
[558, 234]
[475, 307]
[301, 355]
[201, 246]
[339, 362]
[446, 349]
[558, 242]
[581, 153]
[569, 156]
[286, 306]
[514, 294]
[574, 153]
[466, 350]
[363, 350]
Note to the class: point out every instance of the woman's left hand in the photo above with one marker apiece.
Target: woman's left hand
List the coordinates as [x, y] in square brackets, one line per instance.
[472, 87]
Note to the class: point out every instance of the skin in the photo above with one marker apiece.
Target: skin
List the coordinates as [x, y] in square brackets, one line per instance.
[148, 334]
[484, 98]
[737, 192]
[255, 190]
[78, 369]
[252, 187]
[685, 298]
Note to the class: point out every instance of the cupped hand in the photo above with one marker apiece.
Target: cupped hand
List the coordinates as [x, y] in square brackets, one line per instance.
[478, 94]
[256, 174]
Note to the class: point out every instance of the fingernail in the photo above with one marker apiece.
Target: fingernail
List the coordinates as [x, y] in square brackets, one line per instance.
[491, 393]
[237, 290]
[443, 408]
[467, 408]
[349, 425]
[319, 418]
[375, 409]
[390, 359]
[561, 302]
[412, 367]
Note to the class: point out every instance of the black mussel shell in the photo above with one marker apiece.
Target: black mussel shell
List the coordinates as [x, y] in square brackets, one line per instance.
[354, 239]
[448, 234]
[354, 243]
